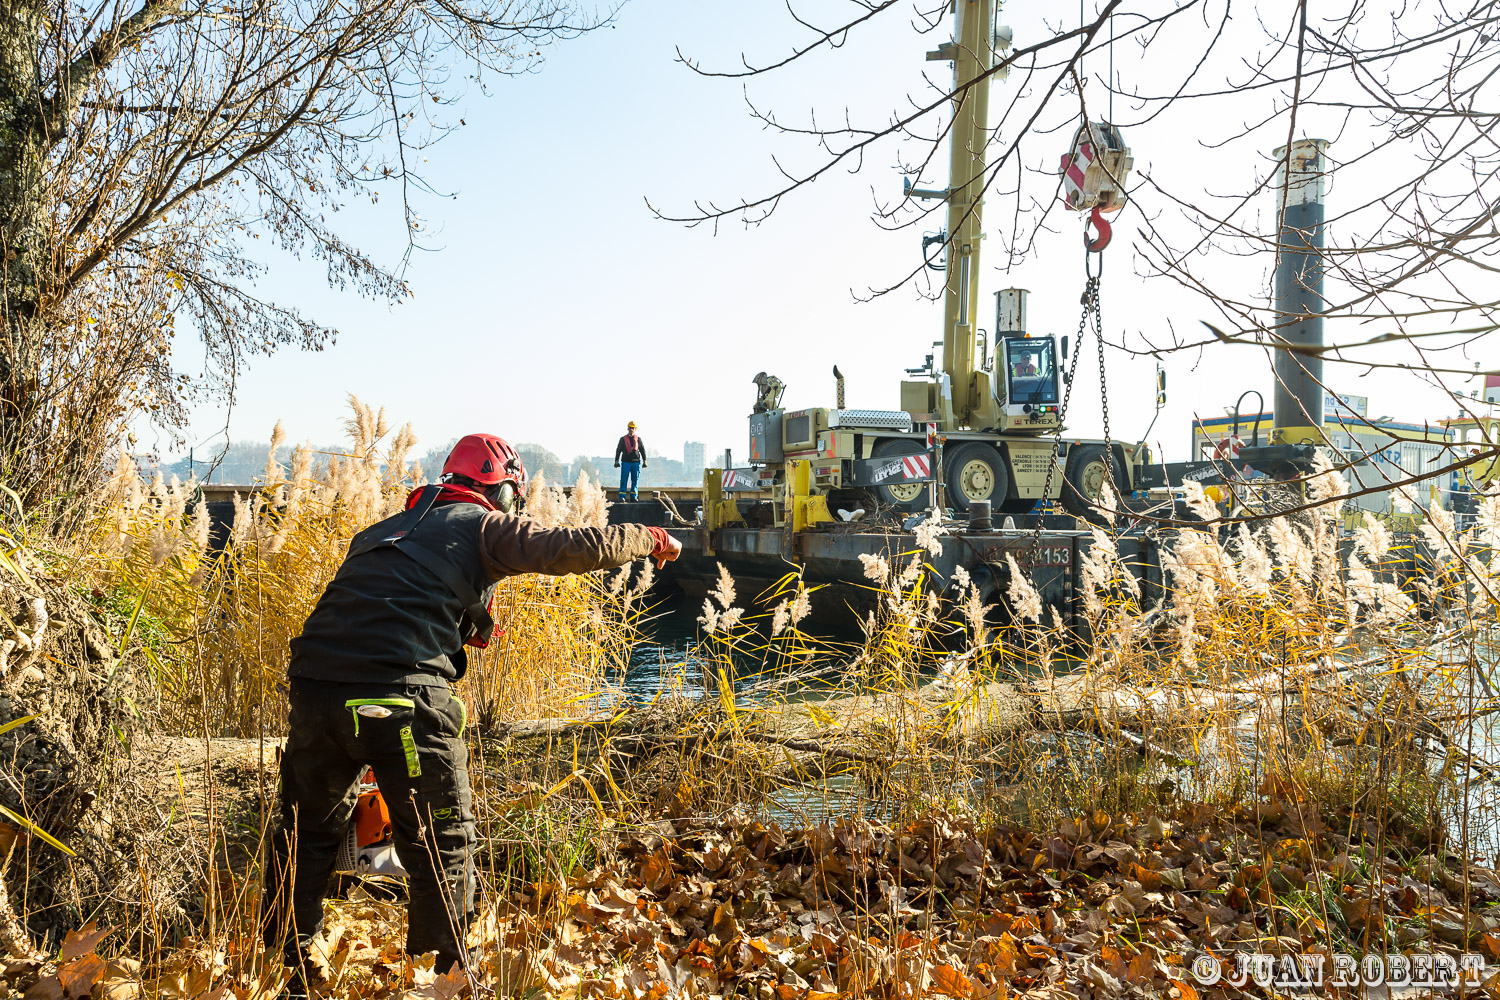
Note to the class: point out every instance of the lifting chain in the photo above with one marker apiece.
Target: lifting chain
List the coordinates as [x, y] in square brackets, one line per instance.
[1090, 301]
[1109, 448]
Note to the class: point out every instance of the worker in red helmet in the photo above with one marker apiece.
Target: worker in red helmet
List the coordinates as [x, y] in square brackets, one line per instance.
[370, 680]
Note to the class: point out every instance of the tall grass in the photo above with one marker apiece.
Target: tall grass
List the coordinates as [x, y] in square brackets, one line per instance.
[1281, 657]
[224, 619]
[561, 640]
[214, 618]
[231, 614]
[1288, 666]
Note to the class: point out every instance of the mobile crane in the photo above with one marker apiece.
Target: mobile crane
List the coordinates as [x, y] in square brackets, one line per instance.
[997, 412]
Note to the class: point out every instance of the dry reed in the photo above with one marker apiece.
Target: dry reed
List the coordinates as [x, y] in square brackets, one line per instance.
[1284, 668]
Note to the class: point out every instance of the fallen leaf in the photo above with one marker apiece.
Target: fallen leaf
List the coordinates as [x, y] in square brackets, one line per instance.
[1141, 970]
[1003, 953]
[78, 943]
[1154, 829]
[1140, 899]
[656, 871]
[79, 976]
[47, 989]
[117, 988]
[725, 926]
[1450, 931]
[449, 986]
[1101, 982]
[1174, 877]
[950, 982]
[421, 971]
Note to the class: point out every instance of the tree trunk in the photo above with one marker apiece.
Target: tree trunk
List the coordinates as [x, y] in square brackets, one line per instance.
[25, 260]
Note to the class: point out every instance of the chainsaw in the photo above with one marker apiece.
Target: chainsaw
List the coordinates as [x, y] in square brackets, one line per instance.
[369, 847]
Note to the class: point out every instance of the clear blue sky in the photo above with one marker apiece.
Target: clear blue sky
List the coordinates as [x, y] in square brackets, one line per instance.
[554, 307]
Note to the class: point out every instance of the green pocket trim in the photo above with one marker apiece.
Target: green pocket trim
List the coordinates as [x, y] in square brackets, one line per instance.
[353, 705]
[409, 744]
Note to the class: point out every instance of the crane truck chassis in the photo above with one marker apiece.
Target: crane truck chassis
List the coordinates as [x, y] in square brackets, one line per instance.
[857, 457]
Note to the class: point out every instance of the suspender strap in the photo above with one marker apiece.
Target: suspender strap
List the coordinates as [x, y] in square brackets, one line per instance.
[404, 524]
[478, 621]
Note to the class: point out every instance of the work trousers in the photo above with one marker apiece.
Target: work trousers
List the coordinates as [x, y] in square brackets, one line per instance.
[420, 762]
[630, 478]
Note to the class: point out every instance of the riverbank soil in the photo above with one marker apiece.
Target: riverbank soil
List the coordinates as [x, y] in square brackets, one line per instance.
[1072, 836]
[588, 895]
[942, 905]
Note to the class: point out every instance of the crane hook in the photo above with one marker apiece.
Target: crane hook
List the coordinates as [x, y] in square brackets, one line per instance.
[1101, 225]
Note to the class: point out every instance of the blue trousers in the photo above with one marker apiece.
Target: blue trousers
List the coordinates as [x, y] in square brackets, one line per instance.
[630, 478]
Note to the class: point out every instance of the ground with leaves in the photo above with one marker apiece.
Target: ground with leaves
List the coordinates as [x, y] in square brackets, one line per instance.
[1100, 907]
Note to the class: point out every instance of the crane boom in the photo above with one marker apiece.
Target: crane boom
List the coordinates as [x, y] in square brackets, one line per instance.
[972, 53]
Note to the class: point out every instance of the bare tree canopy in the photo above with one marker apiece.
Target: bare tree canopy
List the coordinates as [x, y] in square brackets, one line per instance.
[144, 142]
[1406, 94]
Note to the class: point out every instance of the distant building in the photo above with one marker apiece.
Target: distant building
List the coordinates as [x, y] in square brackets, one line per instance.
[692, 458]
[1379, 451]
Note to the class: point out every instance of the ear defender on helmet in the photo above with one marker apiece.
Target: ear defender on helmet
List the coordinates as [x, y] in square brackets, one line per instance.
[503, 496]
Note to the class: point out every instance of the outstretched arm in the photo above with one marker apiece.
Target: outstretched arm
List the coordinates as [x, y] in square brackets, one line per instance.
[511, 545]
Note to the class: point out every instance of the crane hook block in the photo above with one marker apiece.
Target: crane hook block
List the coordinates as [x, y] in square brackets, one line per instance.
[1101, 226]
[1095, 169]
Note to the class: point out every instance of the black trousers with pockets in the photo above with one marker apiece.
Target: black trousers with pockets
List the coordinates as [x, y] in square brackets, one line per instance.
[419, 759]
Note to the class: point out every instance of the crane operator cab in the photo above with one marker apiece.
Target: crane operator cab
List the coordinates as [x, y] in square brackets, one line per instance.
[1031, 382]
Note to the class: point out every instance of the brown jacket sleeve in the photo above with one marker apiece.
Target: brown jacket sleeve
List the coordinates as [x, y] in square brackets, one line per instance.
[511, 545]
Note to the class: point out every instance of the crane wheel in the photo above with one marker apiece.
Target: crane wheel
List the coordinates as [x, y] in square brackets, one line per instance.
[901, 496]
[1084, 478]
[976, 471]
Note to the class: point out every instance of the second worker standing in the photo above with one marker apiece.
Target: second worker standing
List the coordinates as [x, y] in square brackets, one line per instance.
[630, 459]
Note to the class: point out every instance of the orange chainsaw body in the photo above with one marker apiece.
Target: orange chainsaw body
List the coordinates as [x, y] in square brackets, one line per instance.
[369, 847]
[372, 820]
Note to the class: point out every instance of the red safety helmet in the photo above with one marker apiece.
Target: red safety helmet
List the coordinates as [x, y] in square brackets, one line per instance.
[491, 464]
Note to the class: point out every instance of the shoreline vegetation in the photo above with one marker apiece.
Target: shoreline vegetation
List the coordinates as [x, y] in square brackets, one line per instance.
[1293, 759]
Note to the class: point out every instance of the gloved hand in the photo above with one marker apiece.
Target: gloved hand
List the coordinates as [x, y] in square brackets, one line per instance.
[667, 548]
[617, 465]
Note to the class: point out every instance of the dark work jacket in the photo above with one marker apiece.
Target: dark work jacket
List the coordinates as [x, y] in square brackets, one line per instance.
[625, 453]
[387, 619]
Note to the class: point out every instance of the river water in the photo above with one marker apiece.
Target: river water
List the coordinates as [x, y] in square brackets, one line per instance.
[659, 662]
[662, 663]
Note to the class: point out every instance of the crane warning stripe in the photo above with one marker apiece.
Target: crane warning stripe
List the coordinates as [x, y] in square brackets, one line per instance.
[1073, 168]
[916, 466]
[729, 479]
